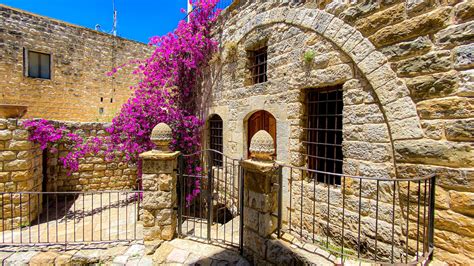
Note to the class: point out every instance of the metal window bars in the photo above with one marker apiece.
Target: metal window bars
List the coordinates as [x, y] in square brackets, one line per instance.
[216, 139]
[258, 67]
[324, 132]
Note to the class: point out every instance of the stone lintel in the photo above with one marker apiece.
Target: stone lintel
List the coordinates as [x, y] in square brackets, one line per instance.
[159, 155]
[262, 167]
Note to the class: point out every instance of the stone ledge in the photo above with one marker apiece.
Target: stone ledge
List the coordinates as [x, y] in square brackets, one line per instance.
[159, 155]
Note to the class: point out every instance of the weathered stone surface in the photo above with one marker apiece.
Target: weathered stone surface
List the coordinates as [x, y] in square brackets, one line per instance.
[414, 6]
[402, 50]
[460, 130]
[433, 129]
[434, 152]
[44, 258]
[5, 135]
[462, 202]
[455, 35]
[429, 63]
[17, 165]
[454, 222]
[464, 11]
[464, 56]
[7, 156]
[366, 151]
[433, 86]
[466, 84]
[417, 26]
[381, 19]
[359, 10]
[443, 108]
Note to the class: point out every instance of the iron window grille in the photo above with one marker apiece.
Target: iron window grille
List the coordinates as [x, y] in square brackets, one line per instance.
[258, 68]
[216, 139]
[324, 133]
[37, 65]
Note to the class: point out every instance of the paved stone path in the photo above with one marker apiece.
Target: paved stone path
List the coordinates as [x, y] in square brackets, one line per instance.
[175, 252]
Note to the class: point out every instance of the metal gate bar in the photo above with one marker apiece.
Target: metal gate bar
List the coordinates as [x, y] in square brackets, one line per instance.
[210, 198]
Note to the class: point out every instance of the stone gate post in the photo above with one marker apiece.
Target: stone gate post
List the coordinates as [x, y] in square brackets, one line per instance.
[159, 187]
[260, 197]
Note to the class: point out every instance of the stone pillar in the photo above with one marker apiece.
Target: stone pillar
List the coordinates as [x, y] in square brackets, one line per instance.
[159, 182]
[260, 197]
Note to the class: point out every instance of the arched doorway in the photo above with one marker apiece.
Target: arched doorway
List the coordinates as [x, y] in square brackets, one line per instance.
[216, 138]
[261, 120]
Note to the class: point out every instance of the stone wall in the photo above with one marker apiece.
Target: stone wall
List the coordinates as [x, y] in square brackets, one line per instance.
[95, 173]
[20, 170]
[79, 88]
[406, 71]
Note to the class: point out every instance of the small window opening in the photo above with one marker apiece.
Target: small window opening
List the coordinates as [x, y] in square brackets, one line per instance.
[38, 65]
[101, 110]
[324, 133]
[111, 100]
[258, 65]
[101, 99]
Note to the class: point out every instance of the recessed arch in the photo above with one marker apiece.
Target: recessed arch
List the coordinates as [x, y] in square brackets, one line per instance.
[261, 120]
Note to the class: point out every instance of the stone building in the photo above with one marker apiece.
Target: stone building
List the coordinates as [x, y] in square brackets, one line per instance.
[59, 70]
[391, 83]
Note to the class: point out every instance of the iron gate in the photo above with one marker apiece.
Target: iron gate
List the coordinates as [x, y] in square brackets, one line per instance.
[210, 198]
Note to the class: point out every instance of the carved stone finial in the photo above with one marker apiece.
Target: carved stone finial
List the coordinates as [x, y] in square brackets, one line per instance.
[262, 146]
[161, 135]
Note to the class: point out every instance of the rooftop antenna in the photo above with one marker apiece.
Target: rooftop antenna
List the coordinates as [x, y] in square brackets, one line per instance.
[114, 28]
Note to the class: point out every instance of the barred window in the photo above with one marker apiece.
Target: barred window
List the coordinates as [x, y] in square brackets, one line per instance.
[258, 65]
[37, 65]
[324, 133]
[216, 139]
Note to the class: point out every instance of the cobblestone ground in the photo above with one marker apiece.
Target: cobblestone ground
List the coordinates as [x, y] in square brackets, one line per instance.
[175, 252]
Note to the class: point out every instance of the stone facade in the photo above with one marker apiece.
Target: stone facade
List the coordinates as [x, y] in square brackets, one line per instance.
[407, 77]
[95, 172]
[79, 89]
[20, 170]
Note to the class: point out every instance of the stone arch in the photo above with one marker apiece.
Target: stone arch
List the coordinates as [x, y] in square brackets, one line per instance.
[392, 93]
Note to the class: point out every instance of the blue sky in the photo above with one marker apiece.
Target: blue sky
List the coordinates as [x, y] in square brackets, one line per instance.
[137, 19]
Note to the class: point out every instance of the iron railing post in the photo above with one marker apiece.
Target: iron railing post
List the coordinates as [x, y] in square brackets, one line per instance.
[241, 208]
[280, 200]
[209, 199]
[180, 195]
[431, 216]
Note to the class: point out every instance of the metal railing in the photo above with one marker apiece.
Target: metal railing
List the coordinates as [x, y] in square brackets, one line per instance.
[382, 220]
[50, 218]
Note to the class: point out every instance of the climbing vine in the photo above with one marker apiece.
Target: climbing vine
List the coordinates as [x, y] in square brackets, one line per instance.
[169, 80]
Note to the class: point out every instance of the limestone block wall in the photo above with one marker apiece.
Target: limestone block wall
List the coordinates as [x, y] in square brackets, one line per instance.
[79, 89]
[20, 171]
[406, 71]
[95, 173]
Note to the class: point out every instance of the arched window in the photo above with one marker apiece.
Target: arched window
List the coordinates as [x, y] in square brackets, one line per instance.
[261, 120]
[216, 139]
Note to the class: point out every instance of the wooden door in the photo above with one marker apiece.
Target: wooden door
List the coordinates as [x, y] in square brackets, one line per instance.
[261, 120]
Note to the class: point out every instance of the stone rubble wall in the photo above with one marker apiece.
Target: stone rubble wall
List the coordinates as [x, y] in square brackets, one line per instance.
[407, 72]
[95, 172]
[20, 170]
[81, 59]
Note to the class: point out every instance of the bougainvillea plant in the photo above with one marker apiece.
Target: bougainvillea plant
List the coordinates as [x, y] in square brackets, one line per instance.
[169, 79]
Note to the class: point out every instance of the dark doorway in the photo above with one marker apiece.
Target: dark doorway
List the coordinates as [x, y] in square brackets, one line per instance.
[261, 120]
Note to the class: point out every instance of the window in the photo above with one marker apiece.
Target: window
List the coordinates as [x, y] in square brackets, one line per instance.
[215, 139]
[38, 65]
[258, 65]
[324, 133]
